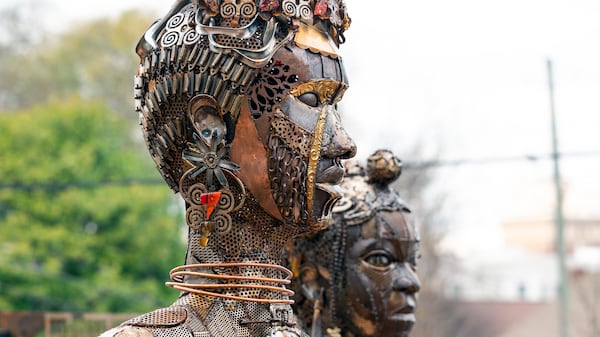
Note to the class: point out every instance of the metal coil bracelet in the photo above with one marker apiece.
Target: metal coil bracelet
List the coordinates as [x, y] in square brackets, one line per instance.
[179, 272]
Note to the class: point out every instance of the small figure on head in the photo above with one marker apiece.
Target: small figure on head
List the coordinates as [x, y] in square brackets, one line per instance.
[357, 278]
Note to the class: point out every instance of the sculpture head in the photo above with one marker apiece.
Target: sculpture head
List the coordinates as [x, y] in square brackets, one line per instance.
[359, 274]
[238, 105]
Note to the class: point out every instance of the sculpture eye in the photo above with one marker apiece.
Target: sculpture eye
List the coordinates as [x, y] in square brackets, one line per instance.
[206, 133]
[379, 259]
[310, 99]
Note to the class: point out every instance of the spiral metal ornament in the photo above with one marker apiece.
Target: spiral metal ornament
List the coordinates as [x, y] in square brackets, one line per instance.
[223, 223]
[194, 216]
[297, 8]
[289, 7]
[175, 21]
[170, 38]
[247, 9]
[179, 29]
[194, 194]
[228, 9]
[226, 202]
[238, 8]
[191, 36]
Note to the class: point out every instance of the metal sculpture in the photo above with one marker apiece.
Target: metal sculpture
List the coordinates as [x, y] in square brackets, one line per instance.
[237, 103]
[357, 278]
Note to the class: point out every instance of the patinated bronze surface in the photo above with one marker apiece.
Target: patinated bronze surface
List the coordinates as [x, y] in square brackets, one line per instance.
[237, 103]
[357, 278]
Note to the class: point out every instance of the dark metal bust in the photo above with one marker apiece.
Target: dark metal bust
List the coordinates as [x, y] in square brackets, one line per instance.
[357, 278]
[237, 103]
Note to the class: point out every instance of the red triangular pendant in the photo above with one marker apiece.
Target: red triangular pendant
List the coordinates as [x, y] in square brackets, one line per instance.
[210, 200]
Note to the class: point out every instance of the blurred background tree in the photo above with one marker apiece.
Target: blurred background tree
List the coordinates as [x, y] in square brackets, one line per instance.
[95, 60]
[86, 223]
[77, 233]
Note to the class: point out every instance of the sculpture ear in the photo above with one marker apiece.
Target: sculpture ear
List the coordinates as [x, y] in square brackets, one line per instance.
[207, 119]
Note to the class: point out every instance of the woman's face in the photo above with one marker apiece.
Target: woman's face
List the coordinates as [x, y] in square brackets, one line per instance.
[381, 283]
[294, 105]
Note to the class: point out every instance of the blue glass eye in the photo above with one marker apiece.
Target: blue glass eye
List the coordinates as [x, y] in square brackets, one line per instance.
[206, 133]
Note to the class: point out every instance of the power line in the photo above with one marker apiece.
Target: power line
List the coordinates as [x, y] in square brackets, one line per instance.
[493, 160]
[559, 218]
[54, 186]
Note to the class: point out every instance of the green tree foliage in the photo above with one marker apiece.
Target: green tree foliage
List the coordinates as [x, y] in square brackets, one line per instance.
[94, 59]
[73, 236]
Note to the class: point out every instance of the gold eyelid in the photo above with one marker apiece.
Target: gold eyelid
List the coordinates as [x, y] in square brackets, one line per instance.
[328, 91]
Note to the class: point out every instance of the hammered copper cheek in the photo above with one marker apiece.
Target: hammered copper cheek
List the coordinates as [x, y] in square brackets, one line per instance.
[247, 150]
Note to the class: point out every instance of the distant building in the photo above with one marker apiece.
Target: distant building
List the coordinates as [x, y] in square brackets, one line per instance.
[538, 236]
[526, 269]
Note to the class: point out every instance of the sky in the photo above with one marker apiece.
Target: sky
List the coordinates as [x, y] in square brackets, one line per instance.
[464, 80]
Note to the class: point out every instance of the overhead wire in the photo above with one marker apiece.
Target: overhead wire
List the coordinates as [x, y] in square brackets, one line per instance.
[409, 165]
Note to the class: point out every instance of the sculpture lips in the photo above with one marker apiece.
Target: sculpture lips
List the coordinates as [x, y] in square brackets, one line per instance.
[328, 181]
[407, 318]
[335, 191]
[332, 175]
[406, 311]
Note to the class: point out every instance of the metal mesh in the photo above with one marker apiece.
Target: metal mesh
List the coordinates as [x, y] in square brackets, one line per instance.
[287, 171]
[252, 43]
[165, 317]
[268, 89]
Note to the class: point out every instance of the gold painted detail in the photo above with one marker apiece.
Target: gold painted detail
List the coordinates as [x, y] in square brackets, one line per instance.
[314, 156]
[329, 91]
[309, 37]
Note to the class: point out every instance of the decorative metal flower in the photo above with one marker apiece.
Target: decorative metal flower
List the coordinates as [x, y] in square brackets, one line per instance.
[208, 157]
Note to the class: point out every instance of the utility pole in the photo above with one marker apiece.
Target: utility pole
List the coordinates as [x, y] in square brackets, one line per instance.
[558, 217]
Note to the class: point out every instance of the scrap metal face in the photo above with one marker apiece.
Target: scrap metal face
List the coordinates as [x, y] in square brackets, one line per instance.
[218, 48]
[360, 272]
[252, 57]
[380, 297]
[303, 134]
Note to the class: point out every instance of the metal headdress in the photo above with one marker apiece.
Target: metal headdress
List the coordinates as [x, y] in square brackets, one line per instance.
[217, 48]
